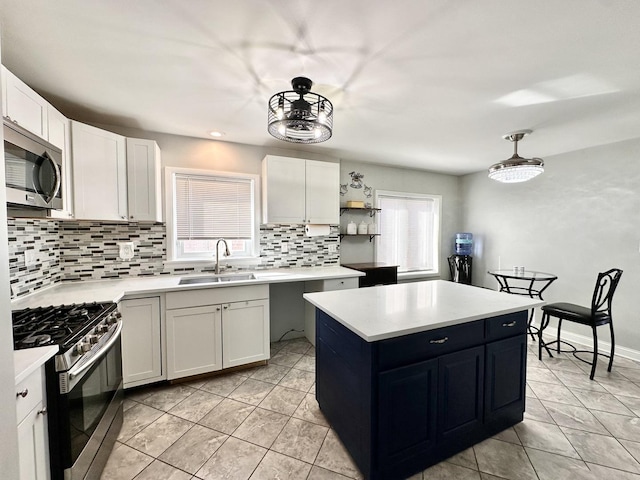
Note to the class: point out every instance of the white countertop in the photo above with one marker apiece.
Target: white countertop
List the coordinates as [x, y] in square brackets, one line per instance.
[114, 290]
[27, 361]
[378, 313]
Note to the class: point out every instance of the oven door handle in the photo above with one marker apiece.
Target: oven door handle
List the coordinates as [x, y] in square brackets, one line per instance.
[74, 372]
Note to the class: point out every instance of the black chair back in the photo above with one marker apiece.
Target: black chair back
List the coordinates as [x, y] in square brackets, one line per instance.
[603, 293]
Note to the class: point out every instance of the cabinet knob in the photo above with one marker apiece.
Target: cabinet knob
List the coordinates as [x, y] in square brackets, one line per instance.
[217, 309]
[23, 393]
[225, 307]
[43, 411]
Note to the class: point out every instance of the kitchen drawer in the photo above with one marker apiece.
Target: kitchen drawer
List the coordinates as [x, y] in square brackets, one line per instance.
[216, 295]
[505, 326]
[339, 284]
[32, 385]
[416, 347]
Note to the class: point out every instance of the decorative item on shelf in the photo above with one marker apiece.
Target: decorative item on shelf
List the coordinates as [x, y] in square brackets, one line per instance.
[368, 205]
[343, 189]
[352, 228]
[299, 115]
[355, 204]
[367, 191]
[371, 229]
[356, 180]
[362, 228]
[516, 169]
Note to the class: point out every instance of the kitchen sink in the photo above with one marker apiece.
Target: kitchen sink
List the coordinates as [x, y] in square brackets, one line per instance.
[236, 277]
[231, 277]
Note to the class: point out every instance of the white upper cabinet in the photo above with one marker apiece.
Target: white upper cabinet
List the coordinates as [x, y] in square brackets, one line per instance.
[143, 180]
[322, 192]
[22, 105]
[300, 191]
[59, 130]
[99, 173]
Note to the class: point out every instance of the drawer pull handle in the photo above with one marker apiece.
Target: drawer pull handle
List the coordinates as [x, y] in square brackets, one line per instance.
[510, 324]
[23, 393]
[442, 340]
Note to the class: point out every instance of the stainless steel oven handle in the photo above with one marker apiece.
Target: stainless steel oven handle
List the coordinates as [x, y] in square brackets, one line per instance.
[74, 372]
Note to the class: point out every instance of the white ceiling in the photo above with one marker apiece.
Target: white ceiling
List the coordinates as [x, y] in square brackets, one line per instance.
[430, 84]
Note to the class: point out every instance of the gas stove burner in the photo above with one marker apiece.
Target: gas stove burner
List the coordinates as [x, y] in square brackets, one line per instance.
[36, 340]
[62, 325]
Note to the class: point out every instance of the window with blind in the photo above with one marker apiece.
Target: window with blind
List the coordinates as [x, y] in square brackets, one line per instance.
[409, 231]
[211, 206]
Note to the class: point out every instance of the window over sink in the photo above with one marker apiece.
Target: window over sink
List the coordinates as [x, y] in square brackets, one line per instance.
[205, 206]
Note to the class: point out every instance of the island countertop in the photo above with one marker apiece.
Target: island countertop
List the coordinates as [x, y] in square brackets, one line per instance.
[389, 311]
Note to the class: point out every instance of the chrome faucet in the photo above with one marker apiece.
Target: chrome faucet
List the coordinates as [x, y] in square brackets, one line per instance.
[226, 253]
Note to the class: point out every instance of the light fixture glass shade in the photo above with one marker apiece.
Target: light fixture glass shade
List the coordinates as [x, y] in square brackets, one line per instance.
[516, 169]
[299, 115]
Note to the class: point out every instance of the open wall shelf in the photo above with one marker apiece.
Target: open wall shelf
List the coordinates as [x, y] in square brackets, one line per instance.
[371, 211]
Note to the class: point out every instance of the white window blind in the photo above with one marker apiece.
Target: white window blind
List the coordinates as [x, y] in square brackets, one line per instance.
[208, 208]
[409, 228]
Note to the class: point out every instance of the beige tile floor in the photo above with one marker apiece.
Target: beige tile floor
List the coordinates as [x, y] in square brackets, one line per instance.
[264, 423]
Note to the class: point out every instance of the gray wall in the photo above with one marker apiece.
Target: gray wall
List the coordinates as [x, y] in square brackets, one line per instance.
[359, 249]
[9, 438]
[581, 217]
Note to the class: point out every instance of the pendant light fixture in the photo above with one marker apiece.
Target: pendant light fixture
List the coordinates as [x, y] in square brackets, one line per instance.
[299, 115]
[516, 169]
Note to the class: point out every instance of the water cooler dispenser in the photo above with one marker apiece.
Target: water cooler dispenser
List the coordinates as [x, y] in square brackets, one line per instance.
[461, 262]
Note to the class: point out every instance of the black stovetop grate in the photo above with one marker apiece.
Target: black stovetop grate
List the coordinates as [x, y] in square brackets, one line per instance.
[60, 325]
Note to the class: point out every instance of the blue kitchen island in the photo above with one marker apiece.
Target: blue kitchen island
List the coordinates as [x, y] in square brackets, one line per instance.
[410, 374]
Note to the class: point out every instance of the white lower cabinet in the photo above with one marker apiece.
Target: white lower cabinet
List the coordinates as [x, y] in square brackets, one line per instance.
[216, 328]
[141, 341]
[33, 447]
[245, 332]
[194, 341]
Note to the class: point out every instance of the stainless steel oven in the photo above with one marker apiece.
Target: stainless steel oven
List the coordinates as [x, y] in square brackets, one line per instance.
[84, 383]
[88, 408]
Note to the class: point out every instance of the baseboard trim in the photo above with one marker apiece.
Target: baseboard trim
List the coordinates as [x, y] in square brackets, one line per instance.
[603, 347]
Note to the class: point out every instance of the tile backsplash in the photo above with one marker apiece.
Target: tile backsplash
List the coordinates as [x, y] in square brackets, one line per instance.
[34, 255]
[89, 250]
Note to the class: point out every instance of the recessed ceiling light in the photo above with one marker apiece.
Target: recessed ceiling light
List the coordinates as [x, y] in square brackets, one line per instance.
[216, 133]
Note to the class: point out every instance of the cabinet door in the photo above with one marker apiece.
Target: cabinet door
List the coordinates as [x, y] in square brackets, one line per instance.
[460, 393]
[32, 446]
[245, 332]
[143, 180]
[283, 190]
[99, 173]
[506, 366]
[141, 341]
[322, 192]
[407, 412]
[23, 105]
[60, 136]
[194, 341]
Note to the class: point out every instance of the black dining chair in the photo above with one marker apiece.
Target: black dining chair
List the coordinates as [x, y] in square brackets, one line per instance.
[599, 314]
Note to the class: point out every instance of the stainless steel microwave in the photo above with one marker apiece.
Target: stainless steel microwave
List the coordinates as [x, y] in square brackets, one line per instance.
[33, 169]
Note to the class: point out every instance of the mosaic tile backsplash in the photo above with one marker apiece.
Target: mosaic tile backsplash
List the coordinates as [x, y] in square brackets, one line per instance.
[89, 250]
